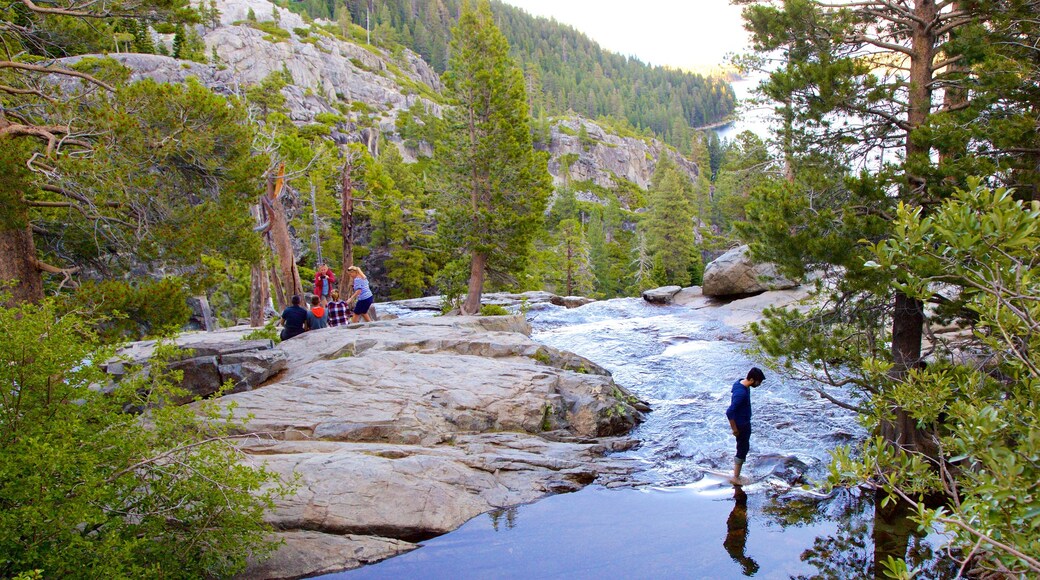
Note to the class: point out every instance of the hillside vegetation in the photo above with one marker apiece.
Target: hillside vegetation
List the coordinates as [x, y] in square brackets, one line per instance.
[564, 69]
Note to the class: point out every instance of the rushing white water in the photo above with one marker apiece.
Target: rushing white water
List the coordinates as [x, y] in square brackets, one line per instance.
[684, 365]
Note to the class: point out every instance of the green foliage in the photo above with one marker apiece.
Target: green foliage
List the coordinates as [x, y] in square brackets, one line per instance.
[226, 285]
[494, 310]
[87, 489]
[493, 184]
[575, 274]
[397, 218]
[132, 312]
[274, 32]
[670, 225]
[985, 415]
[179, 175]
[268, 332]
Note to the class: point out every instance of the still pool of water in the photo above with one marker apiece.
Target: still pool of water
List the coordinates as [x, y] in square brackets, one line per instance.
[680, 518]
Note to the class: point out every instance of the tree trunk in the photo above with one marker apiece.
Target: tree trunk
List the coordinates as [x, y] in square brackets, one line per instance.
[908, 314]
[919, 105]
[259, 295]
[259, 291]
[18, 265]
[347, 226]
[477, 264]
[288, 279]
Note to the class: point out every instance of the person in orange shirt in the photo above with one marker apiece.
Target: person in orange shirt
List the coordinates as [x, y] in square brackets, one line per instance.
[316, 317]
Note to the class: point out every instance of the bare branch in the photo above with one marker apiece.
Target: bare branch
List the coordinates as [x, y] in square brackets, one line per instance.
[56, 71]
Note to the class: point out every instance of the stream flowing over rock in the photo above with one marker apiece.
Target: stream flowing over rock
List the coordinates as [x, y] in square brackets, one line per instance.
[403, 430]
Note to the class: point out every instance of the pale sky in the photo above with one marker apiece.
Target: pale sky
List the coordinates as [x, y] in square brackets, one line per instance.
[691, 34]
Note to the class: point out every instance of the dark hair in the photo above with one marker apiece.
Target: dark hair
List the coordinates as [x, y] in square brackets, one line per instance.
[315, 300]
[296, 300]
[756, 374]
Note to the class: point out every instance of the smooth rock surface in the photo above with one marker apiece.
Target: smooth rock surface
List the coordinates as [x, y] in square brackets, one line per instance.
[734, 274]
[662, 295]
[403, 430]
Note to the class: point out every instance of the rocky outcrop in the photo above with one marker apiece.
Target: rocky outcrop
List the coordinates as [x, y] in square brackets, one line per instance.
[738, 313]
[735, 274]
[504, 299]
[402, 430]
[662, 295]
[209, 360]
[571, 301]
[605, 158]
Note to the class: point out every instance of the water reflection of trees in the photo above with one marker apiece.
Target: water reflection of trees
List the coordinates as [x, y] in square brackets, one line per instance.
[865, 536]
[497, 515]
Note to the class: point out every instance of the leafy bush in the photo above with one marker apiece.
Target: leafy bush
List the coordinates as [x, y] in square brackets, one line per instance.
[269, 331]
[127, 312]
[493, 310]
[982, 410]
[87, 490]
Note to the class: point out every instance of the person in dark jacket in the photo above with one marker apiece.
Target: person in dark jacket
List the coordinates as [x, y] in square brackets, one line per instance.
[739, 415]
[293, 319]
[316, 316]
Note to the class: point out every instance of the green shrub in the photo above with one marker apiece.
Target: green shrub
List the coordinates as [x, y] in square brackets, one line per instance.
[494, 310]
[127, 312]
[267, 332]
[87, 490]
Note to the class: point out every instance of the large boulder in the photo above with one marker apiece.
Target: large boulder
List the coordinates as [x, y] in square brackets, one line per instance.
[735, 274]
[208, 360]
[662, 295]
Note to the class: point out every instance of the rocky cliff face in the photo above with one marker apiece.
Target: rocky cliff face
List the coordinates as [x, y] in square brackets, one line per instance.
[605, 158]
[327, 71]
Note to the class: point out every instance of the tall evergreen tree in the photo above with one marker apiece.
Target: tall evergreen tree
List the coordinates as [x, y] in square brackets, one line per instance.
[669, 226]
[494, 184]
[576, 276]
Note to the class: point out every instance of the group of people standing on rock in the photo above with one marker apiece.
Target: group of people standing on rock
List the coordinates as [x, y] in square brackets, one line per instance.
[326, 308]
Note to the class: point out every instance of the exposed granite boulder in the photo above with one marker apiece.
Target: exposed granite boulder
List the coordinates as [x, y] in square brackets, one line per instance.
[738, 313]
[405, 429]
[506, 299]
[735, 274]
[662, 295]
[212, 358]
[571, 301]
[306, 553]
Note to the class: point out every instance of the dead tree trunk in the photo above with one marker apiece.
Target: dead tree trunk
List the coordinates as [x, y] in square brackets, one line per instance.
[287, 279]
[347, 223]
[259, 290]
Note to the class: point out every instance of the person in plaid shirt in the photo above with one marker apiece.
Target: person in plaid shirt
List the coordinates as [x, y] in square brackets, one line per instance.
[338, 311]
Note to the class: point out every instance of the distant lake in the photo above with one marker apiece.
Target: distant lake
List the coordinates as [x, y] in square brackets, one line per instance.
[755, 119]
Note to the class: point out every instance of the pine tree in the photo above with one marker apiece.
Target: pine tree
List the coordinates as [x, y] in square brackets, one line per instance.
[397, 219]
[576, 275]
[599, 258]
[670, 224]
[495, 184]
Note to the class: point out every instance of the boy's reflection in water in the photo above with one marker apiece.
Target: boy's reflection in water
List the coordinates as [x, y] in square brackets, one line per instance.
[736, 533]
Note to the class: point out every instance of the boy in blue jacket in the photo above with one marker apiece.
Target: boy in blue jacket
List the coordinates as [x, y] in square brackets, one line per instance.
[739, 415]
